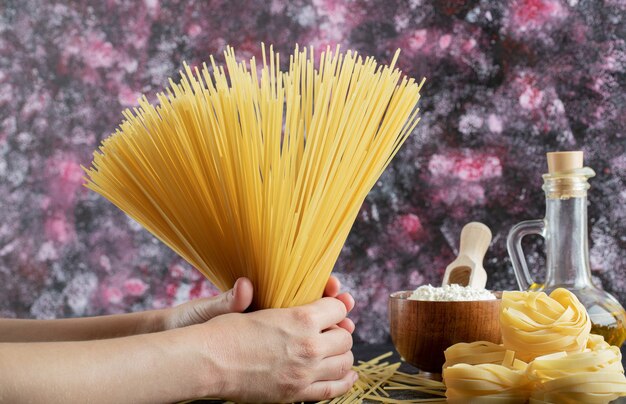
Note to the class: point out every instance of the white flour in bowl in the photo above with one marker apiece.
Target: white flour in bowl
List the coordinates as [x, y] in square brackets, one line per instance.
[450, 293]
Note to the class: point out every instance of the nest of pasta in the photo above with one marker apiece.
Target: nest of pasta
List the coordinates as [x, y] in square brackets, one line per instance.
[548, 356]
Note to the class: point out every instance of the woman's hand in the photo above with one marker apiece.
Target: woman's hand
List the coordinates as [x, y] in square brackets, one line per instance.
[270, 355]
[237, 300]
[197, 311]
[280, 355]
[333, 287]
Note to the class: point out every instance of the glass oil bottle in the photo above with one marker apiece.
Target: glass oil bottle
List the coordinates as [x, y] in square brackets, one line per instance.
[567, 253]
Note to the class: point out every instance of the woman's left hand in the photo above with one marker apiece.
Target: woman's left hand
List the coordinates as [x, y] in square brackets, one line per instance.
[237, 300]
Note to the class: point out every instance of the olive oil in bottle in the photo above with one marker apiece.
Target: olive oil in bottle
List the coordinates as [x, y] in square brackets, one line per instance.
[567, 253]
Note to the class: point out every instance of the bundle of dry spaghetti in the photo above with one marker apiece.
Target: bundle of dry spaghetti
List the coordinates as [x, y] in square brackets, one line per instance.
[260, 173]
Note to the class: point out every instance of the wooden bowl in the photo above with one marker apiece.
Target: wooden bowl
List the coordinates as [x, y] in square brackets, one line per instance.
[422, 330]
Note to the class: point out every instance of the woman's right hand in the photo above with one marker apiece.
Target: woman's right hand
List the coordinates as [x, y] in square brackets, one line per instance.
[279, 355]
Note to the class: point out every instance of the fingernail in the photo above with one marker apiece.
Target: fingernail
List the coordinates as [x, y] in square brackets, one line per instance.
[355, 377]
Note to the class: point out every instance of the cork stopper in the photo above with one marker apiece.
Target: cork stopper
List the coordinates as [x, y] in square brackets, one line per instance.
[564, 161]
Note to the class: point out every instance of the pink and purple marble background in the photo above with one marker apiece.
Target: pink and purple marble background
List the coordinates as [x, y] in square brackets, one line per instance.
[507, 82]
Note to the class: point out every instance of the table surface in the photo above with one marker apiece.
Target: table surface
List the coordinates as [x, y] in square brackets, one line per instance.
[368, 351]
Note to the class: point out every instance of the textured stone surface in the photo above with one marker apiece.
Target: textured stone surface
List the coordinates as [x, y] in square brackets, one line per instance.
[507, 81]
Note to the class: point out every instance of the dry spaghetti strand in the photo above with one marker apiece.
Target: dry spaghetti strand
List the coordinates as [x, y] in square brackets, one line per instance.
[251, 171]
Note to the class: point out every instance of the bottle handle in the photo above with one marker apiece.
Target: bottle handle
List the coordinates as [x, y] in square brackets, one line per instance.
[514, 247]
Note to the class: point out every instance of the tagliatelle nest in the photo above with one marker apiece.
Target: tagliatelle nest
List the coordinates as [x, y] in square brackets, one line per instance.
[535, 324]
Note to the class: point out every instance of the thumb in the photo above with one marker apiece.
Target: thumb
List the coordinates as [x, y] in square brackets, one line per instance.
[240, 296]
[235, 300]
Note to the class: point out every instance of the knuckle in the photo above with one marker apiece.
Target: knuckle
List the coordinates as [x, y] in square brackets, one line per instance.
[343, 340]
[197, 315]
[287, 389]
[349, 362]
[347, 339]
[342, 308]
[327, 392]
[343, 369]
[345, 387]
[338, 305]
[292, 382]
[345, 365]
[308, 348]
[297, 374]
[304, 318]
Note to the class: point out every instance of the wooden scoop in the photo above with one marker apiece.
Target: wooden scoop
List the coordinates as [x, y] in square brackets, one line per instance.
[467, 269]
